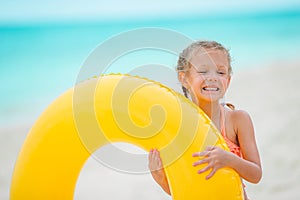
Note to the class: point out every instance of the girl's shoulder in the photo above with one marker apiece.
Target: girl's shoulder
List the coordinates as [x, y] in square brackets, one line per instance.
[230, 108]
[240, 115]
[236, 115]
[240, 119]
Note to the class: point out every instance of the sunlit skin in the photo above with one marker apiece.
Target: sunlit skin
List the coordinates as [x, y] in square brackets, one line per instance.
[207, 81]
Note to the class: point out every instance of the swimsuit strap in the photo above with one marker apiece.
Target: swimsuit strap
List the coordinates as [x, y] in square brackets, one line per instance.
[234, 148]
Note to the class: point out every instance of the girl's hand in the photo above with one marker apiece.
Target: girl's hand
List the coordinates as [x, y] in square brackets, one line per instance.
[157, 171]
[215, 158]
[155, 165]
[155, 162]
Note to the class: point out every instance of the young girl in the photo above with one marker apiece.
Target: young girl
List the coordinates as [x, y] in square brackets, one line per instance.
[204, 71]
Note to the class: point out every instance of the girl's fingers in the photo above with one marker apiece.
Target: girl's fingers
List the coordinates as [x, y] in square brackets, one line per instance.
[199, 162]
[206, 152]
[158, 159]
[204, 169]
[209, 159]
[197, 154]
[150, 155]
[213, 171]
[201, 154]
[155, 156]
[210, 148]
[155, 162]
[208, 167]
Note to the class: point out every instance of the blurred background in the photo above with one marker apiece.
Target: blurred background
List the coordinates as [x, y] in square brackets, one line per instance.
[43, 45]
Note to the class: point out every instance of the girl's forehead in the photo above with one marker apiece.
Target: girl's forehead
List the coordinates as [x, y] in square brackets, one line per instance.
[209, 57]
[202, 52]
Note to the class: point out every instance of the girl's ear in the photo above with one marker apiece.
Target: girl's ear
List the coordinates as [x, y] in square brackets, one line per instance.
[182, 79]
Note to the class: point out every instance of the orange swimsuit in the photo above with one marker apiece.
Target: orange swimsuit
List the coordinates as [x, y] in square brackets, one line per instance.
[234, 148]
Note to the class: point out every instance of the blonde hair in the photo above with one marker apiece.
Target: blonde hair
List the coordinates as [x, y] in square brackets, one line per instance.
[183, 63]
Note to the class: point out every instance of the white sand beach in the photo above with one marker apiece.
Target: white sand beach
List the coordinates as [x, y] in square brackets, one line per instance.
[270, 94]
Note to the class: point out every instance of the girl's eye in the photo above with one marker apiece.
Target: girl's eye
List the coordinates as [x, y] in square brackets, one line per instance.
[201, 72]
[221, 72]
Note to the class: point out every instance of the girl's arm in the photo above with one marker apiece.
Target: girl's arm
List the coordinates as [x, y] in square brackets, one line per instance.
[157, 170]
[248, 167]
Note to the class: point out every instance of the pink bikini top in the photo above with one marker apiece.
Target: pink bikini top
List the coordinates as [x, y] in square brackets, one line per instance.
[234, 148]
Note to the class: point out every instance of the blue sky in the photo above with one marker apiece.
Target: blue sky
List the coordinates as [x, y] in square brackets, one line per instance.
[55, 10]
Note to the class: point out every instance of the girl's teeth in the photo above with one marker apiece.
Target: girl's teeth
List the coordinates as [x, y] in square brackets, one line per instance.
[211, 89]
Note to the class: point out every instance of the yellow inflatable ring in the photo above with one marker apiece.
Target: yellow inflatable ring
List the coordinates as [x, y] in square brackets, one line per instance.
[119, 108]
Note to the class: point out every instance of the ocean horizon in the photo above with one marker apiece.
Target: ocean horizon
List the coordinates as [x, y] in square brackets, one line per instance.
[39, 61]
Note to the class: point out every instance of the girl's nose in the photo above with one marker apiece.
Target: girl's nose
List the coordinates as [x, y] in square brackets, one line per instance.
[211, 77]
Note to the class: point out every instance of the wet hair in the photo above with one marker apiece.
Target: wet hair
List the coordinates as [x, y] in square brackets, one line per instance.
[183, 63]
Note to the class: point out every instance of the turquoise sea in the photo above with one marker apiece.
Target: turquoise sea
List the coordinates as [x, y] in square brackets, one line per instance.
[39, 61]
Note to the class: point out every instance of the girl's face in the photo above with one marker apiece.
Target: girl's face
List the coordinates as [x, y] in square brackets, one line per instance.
[208, 77]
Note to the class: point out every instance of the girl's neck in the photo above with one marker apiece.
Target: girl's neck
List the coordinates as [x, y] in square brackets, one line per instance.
[212, 110]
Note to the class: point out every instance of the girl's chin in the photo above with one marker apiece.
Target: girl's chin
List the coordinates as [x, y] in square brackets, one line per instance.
[210, 99]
